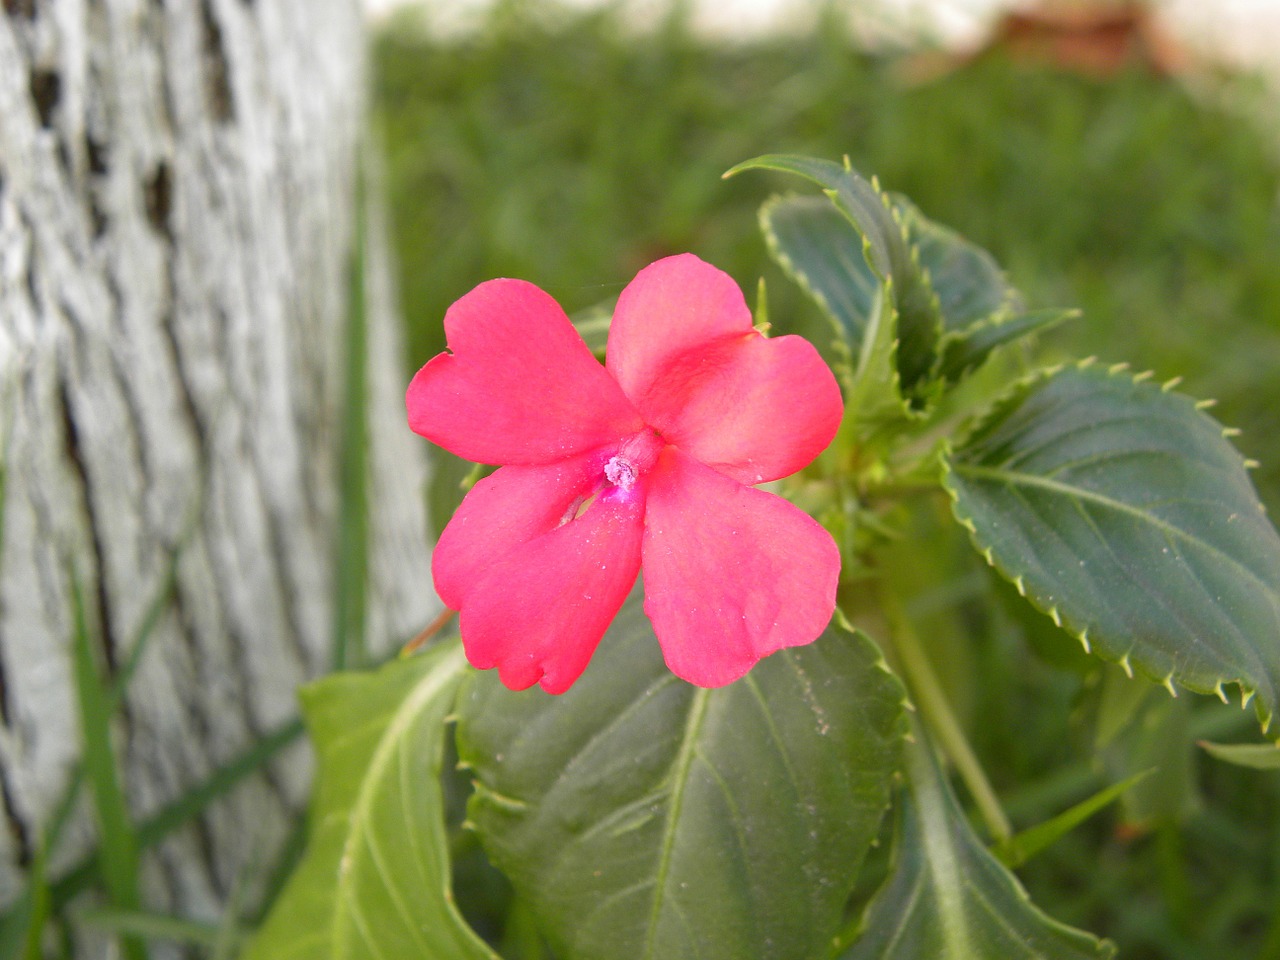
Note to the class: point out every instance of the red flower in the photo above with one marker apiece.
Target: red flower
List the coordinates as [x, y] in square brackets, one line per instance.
[648, 460]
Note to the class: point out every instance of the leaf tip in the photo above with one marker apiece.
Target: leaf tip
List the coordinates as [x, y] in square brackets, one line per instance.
[1126, 666]
[1084, 641]
[1170, 384]
[1206, 404]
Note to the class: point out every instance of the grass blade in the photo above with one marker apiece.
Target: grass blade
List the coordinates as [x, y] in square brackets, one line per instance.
[118, 851]
[151, 926]
[1020, 848]
[351, 562]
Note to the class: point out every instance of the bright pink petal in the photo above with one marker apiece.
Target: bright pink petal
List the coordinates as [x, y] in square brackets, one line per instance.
[731, 574]
[752, 408]
[519, 386]
[538, 613]
[671, 307]
[510, 507]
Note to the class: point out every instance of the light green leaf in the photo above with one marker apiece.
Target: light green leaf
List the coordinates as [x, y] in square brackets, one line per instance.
[641, 817]
[592, 324]
[1259, 756]
[375, 880]
[1117, 507]
[947, 898]
[886, 250]
[874, 404]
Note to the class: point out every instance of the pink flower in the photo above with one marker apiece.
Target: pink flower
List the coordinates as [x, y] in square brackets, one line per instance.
[648, 460]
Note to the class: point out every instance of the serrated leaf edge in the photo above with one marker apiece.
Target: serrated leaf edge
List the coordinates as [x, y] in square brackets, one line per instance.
[986, 550]
[801, 278]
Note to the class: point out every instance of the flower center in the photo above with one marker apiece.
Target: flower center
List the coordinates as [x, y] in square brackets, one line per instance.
[621, 472]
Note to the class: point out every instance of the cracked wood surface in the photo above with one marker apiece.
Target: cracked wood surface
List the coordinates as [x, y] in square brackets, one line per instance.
[177, 218]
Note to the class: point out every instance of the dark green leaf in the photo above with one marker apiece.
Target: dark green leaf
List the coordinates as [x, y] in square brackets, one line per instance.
[642, 817]
[886, 250]
[375, 879]
[966, 350]
[821, 251]
[1118, 507]
[947, 898]
[966, 279]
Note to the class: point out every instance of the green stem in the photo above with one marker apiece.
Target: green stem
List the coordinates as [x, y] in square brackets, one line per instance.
[937, 715]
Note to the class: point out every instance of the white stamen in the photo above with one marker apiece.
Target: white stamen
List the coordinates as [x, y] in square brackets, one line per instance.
[620, 472]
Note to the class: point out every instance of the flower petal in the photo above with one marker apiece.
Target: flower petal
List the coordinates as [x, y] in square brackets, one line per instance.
[731, 574]
[538, 613]
[510, 507]
[520, 386]
[672, 306]
[752, 408]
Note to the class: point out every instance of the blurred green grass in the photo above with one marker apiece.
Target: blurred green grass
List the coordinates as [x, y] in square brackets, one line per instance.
[564, 150]
[569, 152]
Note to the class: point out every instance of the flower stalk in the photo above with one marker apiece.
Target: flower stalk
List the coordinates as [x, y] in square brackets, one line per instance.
[907, 654]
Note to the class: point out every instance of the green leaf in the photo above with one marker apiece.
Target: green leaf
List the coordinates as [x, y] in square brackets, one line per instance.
[965, 350]
[886, 249]
[1120, 702]
[817, 246]
[947, 898]
[874, 404]
[641, 817]
[593, 325]
[375, 880]
[1025, 845]
[1259, 756]
[1117, 507]
[967, 281]
[1157, 739]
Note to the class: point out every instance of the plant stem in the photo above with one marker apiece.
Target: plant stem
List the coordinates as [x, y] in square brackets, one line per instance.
[936, 712]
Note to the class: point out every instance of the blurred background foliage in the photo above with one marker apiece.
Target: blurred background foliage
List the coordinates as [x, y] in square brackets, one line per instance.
[566, 150]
